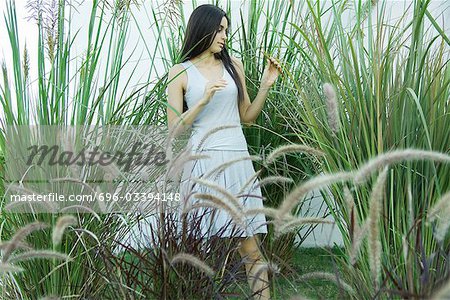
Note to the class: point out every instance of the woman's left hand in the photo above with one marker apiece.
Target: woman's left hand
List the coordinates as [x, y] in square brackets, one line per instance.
[271, 73]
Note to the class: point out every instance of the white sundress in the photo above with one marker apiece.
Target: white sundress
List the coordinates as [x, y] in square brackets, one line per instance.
[221, 146]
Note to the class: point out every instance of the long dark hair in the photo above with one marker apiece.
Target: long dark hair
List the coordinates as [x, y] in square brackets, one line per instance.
[201, 30]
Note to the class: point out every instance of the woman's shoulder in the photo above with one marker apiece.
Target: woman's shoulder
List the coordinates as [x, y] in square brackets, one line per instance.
[177, 73]
[175, 69]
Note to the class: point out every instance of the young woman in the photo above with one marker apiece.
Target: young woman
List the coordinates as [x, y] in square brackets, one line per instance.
[208, 90]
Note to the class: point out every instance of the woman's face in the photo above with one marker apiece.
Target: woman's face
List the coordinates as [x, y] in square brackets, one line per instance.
[221, 37]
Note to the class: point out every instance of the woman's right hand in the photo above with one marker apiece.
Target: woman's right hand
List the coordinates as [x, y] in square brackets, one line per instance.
[211, 88]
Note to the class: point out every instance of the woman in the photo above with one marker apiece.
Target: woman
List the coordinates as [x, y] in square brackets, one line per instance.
[208, 87]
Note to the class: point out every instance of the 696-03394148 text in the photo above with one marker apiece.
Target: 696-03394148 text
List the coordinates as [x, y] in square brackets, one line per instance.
[102, 196]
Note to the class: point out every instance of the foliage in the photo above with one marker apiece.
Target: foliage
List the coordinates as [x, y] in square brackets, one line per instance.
[391, 89]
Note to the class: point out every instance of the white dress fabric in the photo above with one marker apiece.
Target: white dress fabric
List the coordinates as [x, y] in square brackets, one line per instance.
[221, 146]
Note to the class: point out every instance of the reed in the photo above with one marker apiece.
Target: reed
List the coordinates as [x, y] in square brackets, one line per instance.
[282, 150]
[61, 224]
[332, 107]
[373, 224]
[330, 277]
[194, 261]
[384, 104]
[391, 83]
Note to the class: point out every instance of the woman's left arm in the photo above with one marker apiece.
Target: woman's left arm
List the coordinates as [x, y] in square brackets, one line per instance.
[249, 111]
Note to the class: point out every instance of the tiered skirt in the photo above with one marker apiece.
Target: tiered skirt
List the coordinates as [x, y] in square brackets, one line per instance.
[233, 171]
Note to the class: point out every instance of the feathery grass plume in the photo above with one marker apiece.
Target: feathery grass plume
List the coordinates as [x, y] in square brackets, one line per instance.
[101, 204]
[350, 205]
[349, 200]
[50, 25]
[375, 207]
[396, 156]
[208, 197]
[328, 276]
[367, 8]
[5, 81]
[442, 204]
[26, 64]
[410, 207]
[268, 211]
[177, 165]
[440, 212]
[61, 224]
[171, 10]
[19, 236]
[282, 228]
[48, 206]
[211, 132]
[263, 267]
[82, 207]
[43, 12]
[249, 181]
[236, 216]
[121, 5]
[5, 73]
[405, 247]
[443, 292]
[143, 175]
[289, 149]
[192, 260]
[356, 232]
[112, 172]
[247, 195]
[119, 8]
[38, 254]
[19, 245]
[274, 179]
[300, 192]
[358, 237]
[219, 189]
[8, 268]
[332, 107]
[220, 168]
[234, 210]
[50, 298]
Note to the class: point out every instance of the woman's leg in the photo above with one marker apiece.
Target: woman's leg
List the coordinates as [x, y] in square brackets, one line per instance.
[253, 259]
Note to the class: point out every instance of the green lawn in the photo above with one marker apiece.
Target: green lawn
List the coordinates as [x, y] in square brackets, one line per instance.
[288, 283]
[308, 260]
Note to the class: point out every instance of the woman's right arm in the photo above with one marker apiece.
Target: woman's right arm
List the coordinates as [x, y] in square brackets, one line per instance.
[175, 116]
[175, 100]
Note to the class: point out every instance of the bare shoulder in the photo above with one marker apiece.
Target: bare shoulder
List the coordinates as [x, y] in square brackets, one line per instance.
[177, 74]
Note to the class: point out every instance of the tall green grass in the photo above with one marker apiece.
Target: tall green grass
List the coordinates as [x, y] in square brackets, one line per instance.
[67, 94]
[393, 89]
[392, 83]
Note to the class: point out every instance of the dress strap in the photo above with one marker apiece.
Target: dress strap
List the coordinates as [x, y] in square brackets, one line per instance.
[187, 64]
